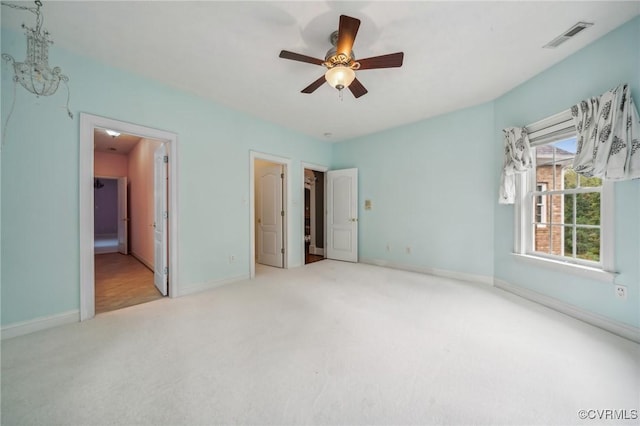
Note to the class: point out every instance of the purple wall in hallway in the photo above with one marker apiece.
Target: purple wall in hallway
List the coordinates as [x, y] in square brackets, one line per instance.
[106, 207]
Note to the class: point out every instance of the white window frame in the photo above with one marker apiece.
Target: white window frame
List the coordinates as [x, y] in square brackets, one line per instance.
[555, 128]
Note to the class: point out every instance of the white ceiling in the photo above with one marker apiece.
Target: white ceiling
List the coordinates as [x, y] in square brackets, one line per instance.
[457, 54]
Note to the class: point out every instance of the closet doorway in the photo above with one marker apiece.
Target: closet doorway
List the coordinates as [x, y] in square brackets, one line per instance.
[314, 213]
[269, 210]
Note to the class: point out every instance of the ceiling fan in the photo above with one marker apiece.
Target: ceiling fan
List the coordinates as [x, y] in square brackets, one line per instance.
[340, 62]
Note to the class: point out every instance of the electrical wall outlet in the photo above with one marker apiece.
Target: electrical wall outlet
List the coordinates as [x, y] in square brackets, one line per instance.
[232, 258]
[621, 292]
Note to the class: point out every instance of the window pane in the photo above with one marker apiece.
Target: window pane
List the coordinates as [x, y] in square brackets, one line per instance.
[541, 238]
[568, 209]
[568, 241]
[588, 244]
[570, 179]
[588, 208]
[544, 167]
[556, 211]
[563, 154]
[557, 243]
[564, 225]
[590, 182]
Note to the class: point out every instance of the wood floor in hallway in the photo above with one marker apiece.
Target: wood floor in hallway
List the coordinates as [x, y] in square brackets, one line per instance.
[122, 281]
[310, 258]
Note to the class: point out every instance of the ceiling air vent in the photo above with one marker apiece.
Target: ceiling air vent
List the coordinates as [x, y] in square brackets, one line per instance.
[571, 32]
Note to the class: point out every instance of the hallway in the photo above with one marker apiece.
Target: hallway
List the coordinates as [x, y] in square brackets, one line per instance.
[122, 281]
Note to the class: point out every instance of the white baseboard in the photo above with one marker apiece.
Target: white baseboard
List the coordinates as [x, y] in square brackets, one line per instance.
[197, 288]
[615, 327]
[143, 261]
[316, 250]
[462, 276]
[37, 324]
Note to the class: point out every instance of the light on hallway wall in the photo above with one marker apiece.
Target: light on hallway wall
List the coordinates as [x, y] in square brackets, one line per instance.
[112, 133]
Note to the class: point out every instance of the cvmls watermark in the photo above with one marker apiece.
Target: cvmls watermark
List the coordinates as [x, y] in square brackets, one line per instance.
[608, 414]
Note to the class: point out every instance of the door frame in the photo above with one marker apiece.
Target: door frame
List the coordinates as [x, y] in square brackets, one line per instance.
[316, 168]
[287, 201]
[88, 123]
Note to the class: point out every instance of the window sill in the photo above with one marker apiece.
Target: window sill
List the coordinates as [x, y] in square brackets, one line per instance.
[569, 268]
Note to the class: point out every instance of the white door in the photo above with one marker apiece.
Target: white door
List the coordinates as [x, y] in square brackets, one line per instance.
[160, 219]
[270, 215]
[123, 220]
[342, 215]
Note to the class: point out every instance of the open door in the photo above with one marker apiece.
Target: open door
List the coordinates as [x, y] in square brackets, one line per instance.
[123, 219]
[270, 215]
[342, 215]
[161, 271]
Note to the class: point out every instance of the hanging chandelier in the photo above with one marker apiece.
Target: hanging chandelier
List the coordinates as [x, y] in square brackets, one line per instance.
[34, 73]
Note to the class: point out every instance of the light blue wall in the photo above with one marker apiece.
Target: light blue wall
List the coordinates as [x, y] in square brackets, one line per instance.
[40, 239]
[431, 188]
[604, 64]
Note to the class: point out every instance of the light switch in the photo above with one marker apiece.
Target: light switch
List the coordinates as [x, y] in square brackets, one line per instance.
[367, 204]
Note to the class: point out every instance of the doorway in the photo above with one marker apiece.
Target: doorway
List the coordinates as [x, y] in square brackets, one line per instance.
[110, 226]
[314, 216]
[125, 220]
[150, 227]
[270, 204]
[269, 213]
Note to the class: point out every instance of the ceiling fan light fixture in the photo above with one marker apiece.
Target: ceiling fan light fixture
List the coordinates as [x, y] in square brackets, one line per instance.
[340, 76]
[340, 61]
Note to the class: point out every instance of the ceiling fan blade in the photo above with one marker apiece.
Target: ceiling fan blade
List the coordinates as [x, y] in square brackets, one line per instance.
[285, 54]
[347, 34]
[313, 86]
[357, 88]
[392, 60]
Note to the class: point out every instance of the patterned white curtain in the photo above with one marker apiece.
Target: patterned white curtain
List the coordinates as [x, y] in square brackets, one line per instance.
[517, 159]
[608, 136]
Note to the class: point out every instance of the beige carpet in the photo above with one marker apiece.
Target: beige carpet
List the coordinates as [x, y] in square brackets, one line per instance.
[328, 343]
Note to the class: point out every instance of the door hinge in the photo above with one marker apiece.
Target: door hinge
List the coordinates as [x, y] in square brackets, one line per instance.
[282, 213]
[166, 270]
[281, 175]
[165, 215]
[166, 159]
[282, 250]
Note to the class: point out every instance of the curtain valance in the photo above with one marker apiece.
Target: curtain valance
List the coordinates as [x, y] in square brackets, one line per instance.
[608, 130]
[517, 159]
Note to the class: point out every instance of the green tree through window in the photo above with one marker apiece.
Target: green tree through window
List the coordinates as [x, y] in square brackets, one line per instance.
[586, 222]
